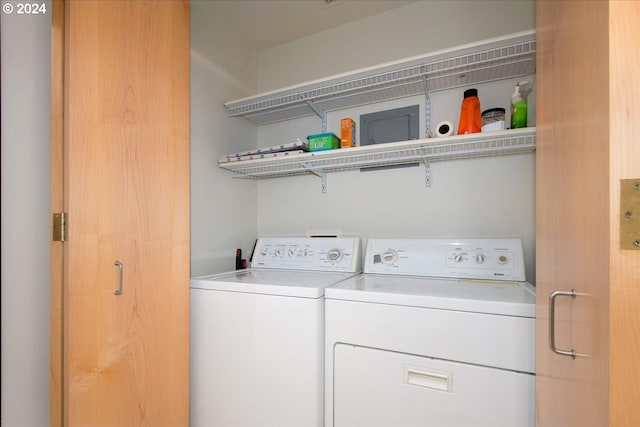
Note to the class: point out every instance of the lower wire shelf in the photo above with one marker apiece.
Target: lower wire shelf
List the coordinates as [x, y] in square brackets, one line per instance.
[395, 153]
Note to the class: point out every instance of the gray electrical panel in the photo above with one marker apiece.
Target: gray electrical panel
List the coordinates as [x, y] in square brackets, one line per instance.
[399, 124]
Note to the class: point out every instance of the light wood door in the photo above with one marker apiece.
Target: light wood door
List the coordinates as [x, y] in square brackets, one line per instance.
[588, 130]
[624, 151]
[126, 192]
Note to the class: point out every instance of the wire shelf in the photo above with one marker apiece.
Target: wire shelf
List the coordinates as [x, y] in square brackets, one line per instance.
[395, 153]
[503, 58]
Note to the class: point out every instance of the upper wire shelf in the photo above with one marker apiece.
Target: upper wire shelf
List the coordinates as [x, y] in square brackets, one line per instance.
[501, 58]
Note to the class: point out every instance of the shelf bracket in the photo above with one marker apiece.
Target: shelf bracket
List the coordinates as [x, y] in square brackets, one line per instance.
[322, 114]
[427, 106]
[318, 172]
[427, 172]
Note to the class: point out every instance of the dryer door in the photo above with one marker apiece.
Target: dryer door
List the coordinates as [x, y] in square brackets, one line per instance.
[384, 388]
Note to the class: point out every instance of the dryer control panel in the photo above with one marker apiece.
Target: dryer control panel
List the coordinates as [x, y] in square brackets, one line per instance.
[471, 258]
[341, 254]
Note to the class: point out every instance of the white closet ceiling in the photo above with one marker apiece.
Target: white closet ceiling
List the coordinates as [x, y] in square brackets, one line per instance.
[267, 23]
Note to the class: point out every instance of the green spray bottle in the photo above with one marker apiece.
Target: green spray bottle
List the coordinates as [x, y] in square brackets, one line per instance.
[519, 105]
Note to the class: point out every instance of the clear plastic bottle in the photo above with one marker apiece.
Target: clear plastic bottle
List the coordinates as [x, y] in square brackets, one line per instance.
[518, 108]
[470, 114]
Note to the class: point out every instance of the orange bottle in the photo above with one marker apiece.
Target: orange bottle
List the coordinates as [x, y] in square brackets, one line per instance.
[470, 115]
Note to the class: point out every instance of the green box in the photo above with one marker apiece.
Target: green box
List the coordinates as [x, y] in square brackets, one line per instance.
[323, 141]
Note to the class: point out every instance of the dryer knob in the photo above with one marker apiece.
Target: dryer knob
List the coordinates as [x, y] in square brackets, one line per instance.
[389, 256]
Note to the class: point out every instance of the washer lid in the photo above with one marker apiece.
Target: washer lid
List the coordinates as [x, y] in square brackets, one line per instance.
[291, 283]
[491, 297]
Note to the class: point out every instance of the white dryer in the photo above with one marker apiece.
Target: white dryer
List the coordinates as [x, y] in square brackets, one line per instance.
[257, 335]
[436, 332]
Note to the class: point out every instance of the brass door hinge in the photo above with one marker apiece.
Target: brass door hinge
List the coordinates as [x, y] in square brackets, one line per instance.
[630, 214]
[59, 227]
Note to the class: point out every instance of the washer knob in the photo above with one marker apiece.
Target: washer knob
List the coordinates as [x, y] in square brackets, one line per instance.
[334, 254]
[458, 258]
[480, 258]
[502, 259]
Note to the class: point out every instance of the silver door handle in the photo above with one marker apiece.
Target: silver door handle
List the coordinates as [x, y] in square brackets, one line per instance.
[552, 322]
[118, 264]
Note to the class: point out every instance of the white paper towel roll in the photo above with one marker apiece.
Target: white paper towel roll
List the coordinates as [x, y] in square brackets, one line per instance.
[444, 129]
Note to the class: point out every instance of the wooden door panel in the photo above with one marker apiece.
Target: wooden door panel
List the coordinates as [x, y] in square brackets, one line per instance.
[625, 164]
[57, 206]
[572, 214]
[127, 195]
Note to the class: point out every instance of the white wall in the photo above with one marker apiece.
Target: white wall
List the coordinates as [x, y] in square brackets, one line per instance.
[25, 86]
[418, 28]
[481, 197]
[223, 211]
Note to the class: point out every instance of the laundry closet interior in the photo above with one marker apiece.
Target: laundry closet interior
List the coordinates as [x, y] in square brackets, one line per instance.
[570, 229]
[470, 197]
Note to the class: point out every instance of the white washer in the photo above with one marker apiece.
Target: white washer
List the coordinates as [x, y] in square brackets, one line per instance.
[257, 335]
[436, 332]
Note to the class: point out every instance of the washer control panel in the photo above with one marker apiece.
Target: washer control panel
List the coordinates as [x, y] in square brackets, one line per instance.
[472, 258]
[340, 254]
